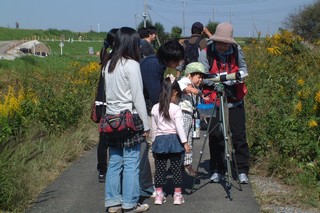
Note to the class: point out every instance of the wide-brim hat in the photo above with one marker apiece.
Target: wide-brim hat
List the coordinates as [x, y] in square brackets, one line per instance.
[224, 33]
[195, 67]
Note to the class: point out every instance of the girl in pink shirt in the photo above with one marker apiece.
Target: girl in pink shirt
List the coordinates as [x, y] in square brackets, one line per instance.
[169, 140]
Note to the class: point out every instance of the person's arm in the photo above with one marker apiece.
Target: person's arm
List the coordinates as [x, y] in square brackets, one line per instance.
[207, 32]
[178, 118]
[136, 87]
[153, 132]
[191, 89]
[242, 63]
[203, 59]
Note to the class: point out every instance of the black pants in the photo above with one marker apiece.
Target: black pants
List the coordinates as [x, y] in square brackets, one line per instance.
[175, 165]
[102, 156]
[216, 141]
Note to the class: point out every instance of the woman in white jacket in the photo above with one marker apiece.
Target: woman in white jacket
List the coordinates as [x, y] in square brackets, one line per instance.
[124, 91]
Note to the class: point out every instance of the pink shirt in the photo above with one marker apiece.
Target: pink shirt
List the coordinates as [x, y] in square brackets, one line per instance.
[160, 126]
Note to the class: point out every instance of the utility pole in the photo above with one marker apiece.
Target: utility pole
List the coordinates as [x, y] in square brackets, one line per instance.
[252, 26]
[145, 12]
[213, 14]
[183, 18]
[268, 26]
[230, 17]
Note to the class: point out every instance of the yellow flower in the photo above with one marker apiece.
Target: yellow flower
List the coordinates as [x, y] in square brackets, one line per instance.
[11, 102]
[299, 93]
[276, 37]
[300, 82]
[274, 50]
[298, 107]
[312, 123]
[317, 97]
[89, 68]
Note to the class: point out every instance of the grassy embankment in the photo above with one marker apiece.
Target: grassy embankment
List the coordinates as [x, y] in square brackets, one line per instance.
[283, 117]
[44, 115]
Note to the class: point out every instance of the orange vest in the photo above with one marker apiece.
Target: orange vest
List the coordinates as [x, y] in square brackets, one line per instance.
[239, 89]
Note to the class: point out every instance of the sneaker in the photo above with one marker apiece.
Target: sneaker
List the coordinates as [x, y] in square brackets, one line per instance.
[154, 193]
[243, 178]
[102, 177]
[138, 208]
[114, 209]
[178, 199]
[189, 170]
[159, 199]
[215, 178]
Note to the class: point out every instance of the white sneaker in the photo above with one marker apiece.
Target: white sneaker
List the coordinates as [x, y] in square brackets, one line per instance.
[159, 199]
[243, 178]
[138, 208]
[215, 178]
[178, 199]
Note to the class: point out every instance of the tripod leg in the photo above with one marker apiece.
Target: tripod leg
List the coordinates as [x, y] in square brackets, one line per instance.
[204, 144]
[236, 166]
[227, 142]
[200, 158]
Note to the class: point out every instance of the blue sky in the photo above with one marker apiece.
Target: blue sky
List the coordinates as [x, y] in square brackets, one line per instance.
[247, 16]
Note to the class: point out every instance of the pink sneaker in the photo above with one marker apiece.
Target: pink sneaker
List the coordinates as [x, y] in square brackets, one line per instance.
[178, 199]
[159, 199]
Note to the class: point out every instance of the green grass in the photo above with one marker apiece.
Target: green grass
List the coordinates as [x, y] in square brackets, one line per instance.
[31, 34]
[53, 128]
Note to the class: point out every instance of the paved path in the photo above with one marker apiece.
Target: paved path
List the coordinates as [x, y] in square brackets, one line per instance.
[78, 190]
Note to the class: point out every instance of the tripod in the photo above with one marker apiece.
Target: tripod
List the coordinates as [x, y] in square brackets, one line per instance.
[223, 124]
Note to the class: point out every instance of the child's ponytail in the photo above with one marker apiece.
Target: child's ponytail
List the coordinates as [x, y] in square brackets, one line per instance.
[166, 94]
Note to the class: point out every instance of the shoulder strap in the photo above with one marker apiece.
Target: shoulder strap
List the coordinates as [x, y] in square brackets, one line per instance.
[198, 40]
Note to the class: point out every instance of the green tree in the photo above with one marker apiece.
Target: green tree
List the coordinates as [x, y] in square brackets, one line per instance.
[305, 21]
[212, 26]
[176, 32]
[162, 35]
[148, 23]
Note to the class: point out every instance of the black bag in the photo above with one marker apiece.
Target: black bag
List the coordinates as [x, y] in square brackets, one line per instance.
[97, 111]
[98, 108]
[191, 51]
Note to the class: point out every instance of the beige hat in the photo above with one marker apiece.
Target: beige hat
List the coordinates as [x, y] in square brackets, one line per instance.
[195, 67]
[224, 33]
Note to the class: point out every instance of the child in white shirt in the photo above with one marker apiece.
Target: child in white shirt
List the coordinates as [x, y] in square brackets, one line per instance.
[190, 93]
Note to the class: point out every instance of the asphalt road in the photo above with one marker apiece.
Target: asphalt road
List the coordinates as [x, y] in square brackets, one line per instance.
[78, 190]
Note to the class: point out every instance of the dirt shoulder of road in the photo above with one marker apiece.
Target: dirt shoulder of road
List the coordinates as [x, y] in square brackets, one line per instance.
[274, 196]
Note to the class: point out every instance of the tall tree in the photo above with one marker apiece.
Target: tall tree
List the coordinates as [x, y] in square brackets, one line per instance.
[162, 35]
[148, 23]
[305, 21]
[212, 26]
[176, 32]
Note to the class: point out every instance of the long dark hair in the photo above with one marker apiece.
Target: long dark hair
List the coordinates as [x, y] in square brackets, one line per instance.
[168, 89]
[108, 43]
[126, 45]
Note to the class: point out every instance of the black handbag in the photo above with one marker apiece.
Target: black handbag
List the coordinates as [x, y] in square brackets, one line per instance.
[98, 107]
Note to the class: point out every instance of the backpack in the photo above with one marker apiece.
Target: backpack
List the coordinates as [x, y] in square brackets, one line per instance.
[191, 51]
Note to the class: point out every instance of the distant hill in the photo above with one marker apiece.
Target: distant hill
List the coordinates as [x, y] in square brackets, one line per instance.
[34, 34]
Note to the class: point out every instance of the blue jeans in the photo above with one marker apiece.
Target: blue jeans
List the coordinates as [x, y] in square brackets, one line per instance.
[123, 161]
